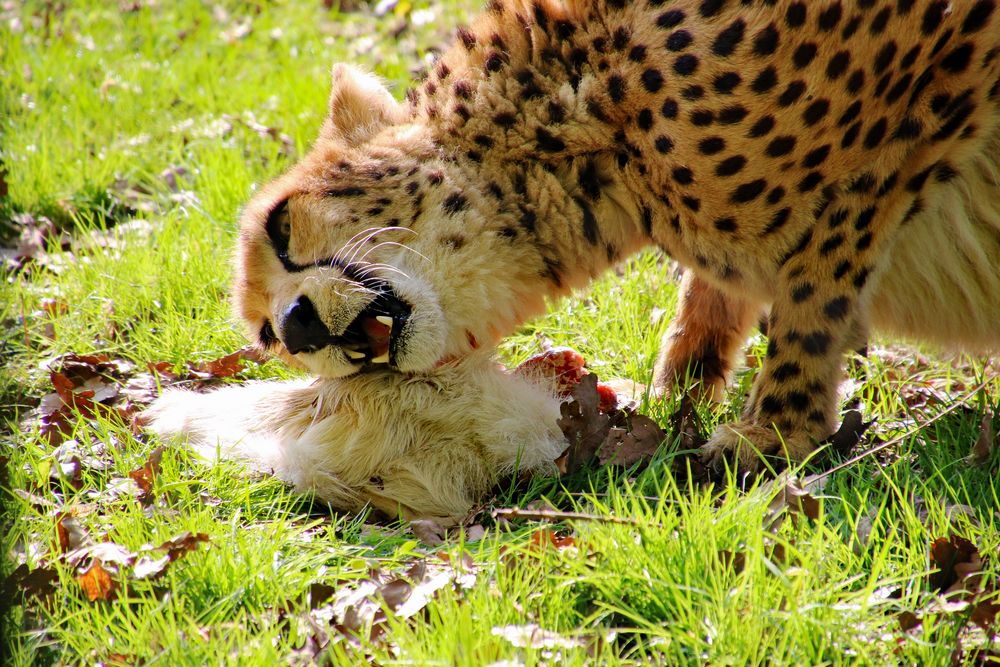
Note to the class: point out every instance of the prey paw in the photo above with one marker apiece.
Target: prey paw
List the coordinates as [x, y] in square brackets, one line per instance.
[753, 448]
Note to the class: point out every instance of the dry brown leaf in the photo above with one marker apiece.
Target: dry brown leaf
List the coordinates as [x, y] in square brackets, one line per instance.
[945, 554]
[849, 434]
[145, 475]
[97, 583]
[545, 538]
[428, 531]
[70, 534]
[584, 426]
[983, 448]
[39, 582]
[626, 447]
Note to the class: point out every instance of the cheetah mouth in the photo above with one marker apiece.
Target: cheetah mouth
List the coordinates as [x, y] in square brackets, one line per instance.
[373, 338]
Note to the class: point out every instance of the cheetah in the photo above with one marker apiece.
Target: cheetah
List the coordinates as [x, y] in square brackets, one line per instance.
[833, 164]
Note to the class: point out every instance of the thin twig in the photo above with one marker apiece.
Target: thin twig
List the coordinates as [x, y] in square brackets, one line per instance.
[511, 513]
[900, 438]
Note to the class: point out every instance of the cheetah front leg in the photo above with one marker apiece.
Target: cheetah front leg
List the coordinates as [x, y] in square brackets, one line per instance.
[818, 314]
[705, 337]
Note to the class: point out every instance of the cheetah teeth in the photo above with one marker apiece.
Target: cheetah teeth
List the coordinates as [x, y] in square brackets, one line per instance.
[354, 354]
[384, 359]
[384, 319]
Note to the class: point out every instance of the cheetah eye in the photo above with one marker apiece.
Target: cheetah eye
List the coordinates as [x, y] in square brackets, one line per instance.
[279, 228]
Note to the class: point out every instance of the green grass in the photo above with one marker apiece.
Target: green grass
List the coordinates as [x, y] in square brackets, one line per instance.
[96, 101]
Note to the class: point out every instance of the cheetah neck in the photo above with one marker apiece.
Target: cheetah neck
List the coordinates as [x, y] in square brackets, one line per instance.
[513, 104]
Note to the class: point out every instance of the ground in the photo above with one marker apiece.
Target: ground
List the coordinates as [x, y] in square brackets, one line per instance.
[156, 120]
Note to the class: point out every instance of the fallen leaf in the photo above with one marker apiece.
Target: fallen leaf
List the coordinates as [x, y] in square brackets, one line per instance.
[626, 447]
[584, 426]
[147, 567]
[982, 450]
[946, 553]
[97, 583]
[428, 531]
[70, 534]
[145, 475]
[31, 583]
[544, 538]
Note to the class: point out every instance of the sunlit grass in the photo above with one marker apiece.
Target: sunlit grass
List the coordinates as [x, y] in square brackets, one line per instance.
[96, 100]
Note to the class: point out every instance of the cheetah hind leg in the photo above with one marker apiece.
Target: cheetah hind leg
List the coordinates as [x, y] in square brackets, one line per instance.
[700, 348]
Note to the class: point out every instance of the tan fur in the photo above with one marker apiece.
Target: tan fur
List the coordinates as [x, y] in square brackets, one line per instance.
[414, 445]
[834, 161]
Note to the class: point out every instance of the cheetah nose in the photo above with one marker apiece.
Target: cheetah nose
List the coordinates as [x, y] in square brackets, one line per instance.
[301, 328]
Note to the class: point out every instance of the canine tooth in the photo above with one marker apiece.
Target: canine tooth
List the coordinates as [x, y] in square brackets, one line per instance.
[384, 359]
[354, 354]
[384, 319]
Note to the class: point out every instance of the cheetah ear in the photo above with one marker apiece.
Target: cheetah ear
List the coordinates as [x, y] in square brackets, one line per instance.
[360, 106]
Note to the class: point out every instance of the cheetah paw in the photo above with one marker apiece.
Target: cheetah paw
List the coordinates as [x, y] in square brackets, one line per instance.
[753, 448]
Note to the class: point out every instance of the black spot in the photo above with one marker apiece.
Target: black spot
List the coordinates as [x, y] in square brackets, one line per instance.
[916, 183]
[810, 182]
[647, 220]
[942, 41]
[683, 176]
[645, 119]
[345, 192]
[842, 270]
[792, 93]
[454, 203]
[652, 80]
[637, 54]
[732, 114]
[778, 220]
[620, 39]
[856, 81]
[860, 278]
[711, 145]
[590, 229]
[850, 113]
[727, 40]
[564, 29]
[725, 83]
[616, 88]
[765, 81]
[761, 127]
[727, 224]
[957, 60]
[702, 117]
[595, 109]
[909, 58]
[692, 203]
[803, 292]
[836, 309]
[815, 343]
[670, 19]
[864, 241]
[898, 88]
[816, 157]
[694, 92]
[816, 111]
[747, 192]
[775, 195]
[933, 16]
[686, 64]
[837, 218]
[710, 8]
[977, 17]
[850, 27]
[876, 133]
[483, 140]
[782, 145]
[829, 17]
[804, 54]
[505, 119]
[765, 43]
[547, 142]
[878, 23]
[837, 65]
[663, 144]
[864, 218]
[678, 40]
[944, 172]
[795, 15]
[884, 57]
[590, 180]
[466, 37]
[731, 165]
[771, 405]
[831, 244]
[669, 109]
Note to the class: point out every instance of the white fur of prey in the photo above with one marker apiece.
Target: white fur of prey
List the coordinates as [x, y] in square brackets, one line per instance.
[427, 444]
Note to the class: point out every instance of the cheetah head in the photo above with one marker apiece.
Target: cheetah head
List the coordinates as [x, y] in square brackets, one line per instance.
[375, 249]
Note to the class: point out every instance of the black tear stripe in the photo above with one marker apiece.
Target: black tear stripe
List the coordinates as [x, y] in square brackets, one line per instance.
[280, 246]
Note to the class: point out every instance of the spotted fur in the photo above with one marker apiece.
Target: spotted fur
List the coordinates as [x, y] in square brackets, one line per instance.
[835, 162]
